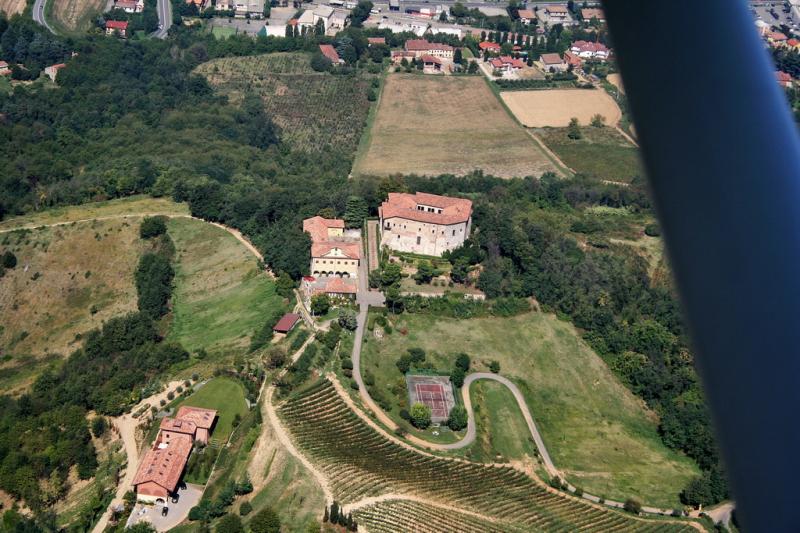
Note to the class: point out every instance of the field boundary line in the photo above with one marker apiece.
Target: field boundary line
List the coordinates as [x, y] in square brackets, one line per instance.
[366, 136]
[391, 496]
[569, 172]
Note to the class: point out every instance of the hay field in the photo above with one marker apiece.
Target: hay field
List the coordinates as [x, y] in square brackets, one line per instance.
[445, 124]
[75, 15]
[12, 7]
[539, 109]
[68, 280]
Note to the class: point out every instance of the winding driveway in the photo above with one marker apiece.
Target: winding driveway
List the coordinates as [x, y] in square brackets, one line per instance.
[38, 15]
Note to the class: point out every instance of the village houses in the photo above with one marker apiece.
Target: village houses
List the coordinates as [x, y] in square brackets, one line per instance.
[117, 26]
[590, 50]
[424, 223]
[553, 63]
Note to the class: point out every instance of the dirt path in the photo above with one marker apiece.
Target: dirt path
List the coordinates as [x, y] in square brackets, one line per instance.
[261, 456]
[372, 244]
[556, 160]
[628, 137]
[126, 427]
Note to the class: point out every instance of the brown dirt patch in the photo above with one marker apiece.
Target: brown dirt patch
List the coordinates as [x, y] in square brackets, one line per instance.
[445, 124]
[12, 7]
[538, 109]
[616, 81]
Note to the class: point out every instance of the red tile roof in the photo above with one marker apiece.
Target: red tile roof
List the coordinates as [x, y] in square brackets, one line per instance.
[588, 46]
[317, 227]
[178, 425]
[341, 286]
[489, 45]
[330, 52]
[776, 36]
[421, 45]
[588, 13]
[117, 24]
[164, 464]
[350, 250]
[783, 77]
[376, 40]
[526, 13]
[431, 59]
[203, 418]
[551, 59]
[572, 58]
[404, 205]
[286, 323]
[793, 42]
[556, 9]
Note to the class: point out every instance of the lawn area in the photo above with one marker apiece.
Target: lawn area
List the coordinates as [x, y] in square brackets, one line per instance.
[133, 205]
[502, 432]
[595, 429]
[226, 395]
[221, 297]
[417, 131]
[219, 32]
[602, 153]
[314, 110]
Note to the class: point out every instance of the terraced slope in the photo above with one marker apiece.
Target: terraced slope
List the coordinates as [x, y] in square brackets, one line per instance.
[360, 463]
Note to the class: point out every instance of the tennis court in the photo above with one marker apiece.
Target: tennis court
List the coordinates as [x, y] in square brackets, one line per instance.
[434, 391]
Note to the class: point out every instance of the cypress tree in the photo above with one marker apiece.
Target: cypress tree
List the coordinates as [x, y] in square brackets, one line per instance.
[325, 515]
[334, 518]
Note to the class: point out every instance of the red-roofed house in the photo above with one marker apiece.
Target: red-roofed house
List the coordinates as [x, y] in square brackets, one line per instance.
[793, 43]
[526, 16]
[376, 40]
[4, 69]
[431, 64]
[507, 63]
[590, 50]
[784, 79]
[120, 26]
[490, 46]
[52, 71]
[572, 59]
[162, 466]
[333, 254]
[424, 223]
[553, 63]
[421, 47]
[330, 52]
[286, 323]
[776, 38]
[130, 6]
[589, 13]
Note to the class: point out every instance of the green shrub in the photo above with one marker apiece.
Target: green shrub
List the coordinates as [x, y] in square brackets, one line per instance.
[420, 415]
[153, 227]
[246, 508]
[652, 230]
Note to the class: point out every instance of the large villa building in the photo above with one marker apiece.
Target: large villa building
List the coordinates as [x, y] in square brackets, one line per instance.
[335, 257]
[162, 467]
[424, 223]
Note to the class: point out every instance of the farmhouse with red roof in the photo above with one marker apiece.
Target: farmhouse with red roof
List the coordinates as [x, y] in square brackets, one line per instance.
[163, 465]
[784, 79]
[424, 223]
[330, 52]
[335, 255]
[590, 50]
[120, 26]
[490, 46]
[507, 64]
[421, 47]
[553, 63]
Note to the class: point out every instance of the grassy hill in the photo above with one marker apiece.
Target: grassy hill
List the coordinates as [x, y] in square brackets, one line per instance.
[596, 431]
[221, 297]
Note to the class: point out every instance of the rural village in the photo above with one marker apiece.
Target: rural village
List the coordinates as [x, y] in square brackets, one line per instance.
[342, 266]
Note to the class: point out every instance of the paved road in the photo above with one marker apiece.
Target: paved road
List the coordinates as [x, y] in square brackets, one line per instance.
[38, 15]
[164, 8]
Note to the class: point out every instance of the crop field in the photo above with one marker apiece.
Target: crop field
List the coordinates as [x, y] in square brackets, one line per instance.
[12, 7]
[597, 432]
[68, 280]
[447, 125]
[601, 153]
[359, 462]
[314, 110]
[221, 297]
[74, 15]
[555, 108]
[403, 515]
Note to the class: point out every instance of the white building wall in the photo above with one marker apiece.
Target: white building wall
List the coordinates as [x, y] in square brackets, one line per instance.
[421, 237]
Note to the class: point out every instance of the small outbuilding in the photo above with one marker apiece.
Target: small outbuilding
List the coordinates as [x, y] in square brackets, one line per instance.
[286, 323]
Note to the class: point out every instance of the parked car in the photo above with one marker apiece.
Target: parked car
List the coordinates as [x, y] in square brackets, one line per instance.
[164, 510]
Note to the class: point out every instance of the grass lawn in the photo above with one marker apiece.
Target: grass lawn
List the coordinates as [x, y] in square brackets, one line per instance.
[502, 432]
[133, 205]
[595, 429]
[602, 153]
[221, 297]
[226, 395]
[219, 32]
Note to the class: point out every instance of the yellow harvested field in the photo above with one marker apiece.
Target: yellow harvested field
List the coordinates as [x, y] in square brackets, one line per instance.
[434, 125]
[555, 108]
[616, 81]
[12, 7]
